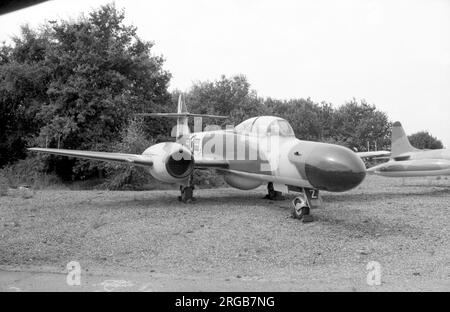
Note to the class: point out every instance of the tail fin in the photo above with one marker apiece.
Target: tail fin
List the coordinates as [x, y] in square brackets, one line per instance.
[182, 119]
[399, 142]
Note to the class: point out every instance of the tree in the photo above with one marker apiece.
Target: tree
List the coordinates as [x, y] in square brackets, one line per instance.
[23, 81]
[76, 84]
[303, 115]
[326, 117]
[358, 123]
[231, 97]
[133, 140]
[424, 140]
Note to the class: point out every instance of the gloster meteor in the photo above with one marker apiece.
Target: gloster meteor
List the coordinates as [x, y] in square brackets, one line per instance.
[260, 150]
[408, 161]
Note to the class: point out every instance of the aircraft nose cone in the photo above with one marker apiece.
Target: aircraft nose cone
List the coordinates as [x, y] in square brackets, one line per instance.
[334, 168]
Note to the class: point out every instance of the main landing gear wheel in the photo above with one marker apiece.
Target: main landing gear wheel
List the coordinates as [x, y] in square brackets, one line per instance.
[272, 194]
[300, 208]
[187, 192]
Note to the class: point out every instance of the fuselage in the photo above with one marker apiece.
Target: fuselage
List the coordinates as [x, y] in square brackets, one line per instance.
[264, 149]
[417, 163]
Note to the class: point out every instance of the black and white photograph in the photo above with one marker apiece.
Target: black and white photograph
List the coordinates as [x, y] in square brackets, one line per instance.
[238, 147]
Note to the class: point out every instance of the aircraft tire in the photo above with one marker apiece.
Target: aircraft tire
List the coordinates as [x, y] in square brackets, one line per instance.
[299, 208]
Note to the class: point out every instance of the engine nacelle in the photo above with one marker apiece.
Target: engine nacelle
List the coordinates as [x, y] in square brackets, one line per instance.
[172, 162]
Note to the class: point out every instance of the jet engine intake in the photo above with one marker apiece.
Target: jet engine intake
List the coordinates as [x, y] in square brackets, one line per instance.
[172, 162]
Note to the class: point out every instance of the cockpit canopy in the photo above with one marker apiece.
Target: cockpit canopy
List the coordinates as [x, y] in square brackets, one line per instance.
[265, 126]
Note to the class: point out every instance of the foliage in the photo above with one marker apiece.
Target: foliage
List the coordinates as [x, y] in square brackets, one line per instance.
[28, 171]
[4, 185]
[302, 114]
[358, 123]
[424, 140]
[75, 84]
[123, 176]
[23, 78]
[208, 178]
[227, 96]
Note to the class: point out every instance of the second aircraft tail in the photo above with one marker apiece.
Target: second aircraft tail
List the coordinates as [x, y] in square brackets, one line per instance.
[399, 141]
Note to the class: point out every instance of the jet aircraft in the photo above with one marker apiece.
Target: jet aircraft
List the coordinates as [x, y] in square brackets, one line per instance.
[408, 161]
[260, 150]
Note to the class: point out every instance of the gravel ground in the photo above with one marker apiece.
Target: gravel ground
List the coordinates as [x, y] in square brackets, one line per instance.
[229, 240]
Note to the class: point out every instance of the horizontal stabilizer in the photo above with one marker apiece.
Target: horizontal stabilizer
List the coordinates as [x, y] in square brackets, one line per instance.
[176, 115]
[182, 116]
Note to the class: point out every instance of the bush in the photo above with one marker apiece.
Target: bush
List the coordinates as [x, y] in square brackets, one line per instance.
[208, 178]
[123, 176]
[28, 171]
[3, 186]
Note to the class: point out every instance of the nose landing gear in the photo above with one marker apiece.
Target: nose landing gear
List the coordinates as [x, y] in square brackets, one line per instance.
[301, 205]
[272, 194]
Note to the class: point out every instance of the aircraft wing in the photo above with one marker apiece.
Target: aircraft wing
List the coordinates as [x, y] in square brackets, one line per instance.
[211, 163]
[140, 160]
[373, 154]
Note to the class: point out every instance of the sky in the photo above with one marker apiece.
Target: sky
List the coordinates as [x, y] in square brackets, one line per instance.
[392, 53]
